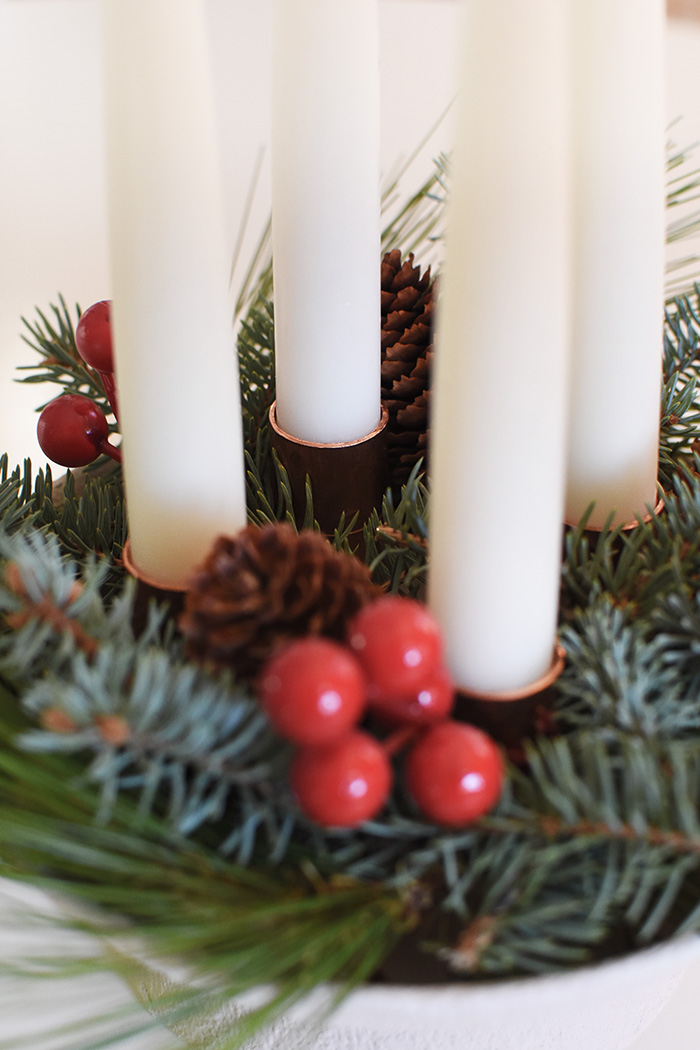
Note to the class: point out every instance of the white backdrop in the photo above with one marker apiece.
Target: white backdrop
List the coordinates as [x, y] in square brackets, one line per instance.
[52, 205]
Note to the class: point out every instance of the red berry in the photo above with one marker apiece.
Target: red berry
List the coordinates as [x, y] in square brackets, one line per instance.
[313, 691]
[398, 642]
[344, 784]
[93, 337]
[455, 773]
[71, 430]
[433, 702]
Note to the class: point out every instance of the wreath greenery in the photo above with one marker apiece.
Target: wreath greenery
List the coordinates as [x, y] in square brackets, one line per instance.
[150, 790]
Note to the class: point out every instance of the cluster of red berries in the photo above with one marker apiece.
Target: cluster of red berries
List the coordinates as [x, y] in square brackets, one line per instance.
[316, 692]
[72, 429]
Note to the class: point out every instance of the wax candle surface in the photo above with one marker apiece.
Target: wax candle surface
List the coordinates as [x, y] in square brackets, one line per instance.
[497, 455]
[325, 215]
[619, 258]
[175, 352]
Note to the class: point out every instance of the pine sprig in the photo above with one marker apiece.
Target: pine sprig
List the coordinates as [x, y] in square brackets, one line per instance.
[237, 928]
[396, 537]
[257, 366]
[16, 494]
[190, 748]
[619, 673]
[53, 339]
[680, 416]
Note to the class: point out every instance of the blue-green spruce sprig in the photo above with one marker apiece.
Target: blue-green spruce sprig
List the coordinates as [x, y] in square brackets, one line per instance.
[192, 747]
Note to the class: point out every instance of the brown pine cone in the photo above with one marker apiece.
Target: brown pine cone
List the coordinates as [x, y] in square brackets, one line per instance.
[407, 349]
[267, 586]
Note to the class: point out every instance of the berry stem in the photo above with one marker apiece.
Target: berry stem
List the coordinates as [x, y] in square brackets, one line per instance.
[399, 739]
[110, 450]
[111, 391]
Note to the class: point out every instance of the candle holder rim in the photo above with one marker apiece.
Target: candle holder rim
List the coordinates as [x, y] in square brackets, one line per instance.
[383, 420]
[525, 692]
[144, 578]
[628, 525]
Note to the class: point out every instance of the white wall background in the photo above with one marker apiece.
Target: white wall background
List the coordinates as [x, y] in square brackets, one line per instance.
[52, 205]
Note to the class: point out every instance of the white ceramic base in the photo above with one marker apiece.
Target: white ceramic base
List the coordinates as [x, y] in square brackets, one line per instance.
[603, 1007]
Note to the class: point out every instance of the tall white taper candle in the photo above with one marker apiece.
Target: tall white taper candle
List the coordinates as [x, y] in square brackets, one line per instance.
[175, 353]
[498, 423]
[325, 217]
[619, 258]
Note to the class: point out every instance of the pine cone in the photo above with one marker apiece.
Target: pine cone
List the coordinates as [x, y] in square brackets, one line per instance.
[407, 348]
[267, 586]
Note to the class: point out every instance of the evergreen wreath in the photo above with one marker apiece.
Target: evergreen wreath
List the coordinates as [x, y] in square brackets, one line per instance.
[154, 790]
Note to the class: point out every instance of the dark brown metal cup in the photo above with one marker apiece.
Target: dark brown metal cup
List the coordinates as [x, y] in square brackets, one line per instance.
[510, 717]
[348, 477]
[148, 590]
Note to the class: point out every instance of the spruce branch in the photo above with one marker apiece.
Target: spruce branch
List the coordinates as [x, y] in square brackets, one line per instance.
[17, 501]
[238, 928]
[191, 748]
[53, 339]
[396, 537]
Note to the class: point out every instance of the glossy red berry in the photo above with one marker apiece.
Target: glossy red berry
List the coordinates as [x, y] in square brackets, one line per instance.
[455, 773]
[399, 644]
[344, 784]
[313, 691]
[431, 703]
[93, 337]
[72, 430]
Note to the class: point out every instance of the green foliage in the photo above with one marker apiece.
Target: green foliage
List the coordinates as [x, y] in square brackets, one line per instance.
[396, 537]
[680, 415]
[53, 339]
[257, 366]
[153, 790]
[238, 928]
[16, 494]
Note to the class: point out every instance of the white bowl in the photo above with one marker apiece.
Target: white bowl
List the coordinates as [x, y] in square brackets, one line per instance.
[601, 1007]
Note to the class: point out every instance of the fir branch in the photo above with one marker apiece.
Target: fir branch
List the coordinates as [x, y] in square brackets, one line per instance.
[680, 416]
[396, 537]
[238, 928]
[53, 339]
[257, 366]
[188, 747]
[17, 500]
[619, 673]
[86, 511]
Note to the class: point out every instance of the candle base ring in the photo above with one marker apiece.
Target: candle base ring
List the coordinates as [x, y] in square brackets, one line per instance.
[510, 716]
[629, 526]
[149, 589]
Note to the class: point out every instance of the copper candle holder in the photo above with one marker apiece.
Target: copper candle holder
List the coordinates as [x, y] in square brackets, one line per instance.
[510, 716]
[348, 477]
[150, 590]
[629, 526]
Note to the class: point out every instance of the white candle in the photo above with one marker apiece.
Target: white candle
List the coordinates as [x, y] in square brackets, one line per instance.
[498, 427]
[326, 217]
[174, 348]
[619, 258]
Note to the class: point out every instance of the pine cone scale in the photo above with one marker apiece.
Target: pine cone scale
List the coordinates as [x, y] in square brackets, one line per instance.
[407, 327]
[265, 587]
